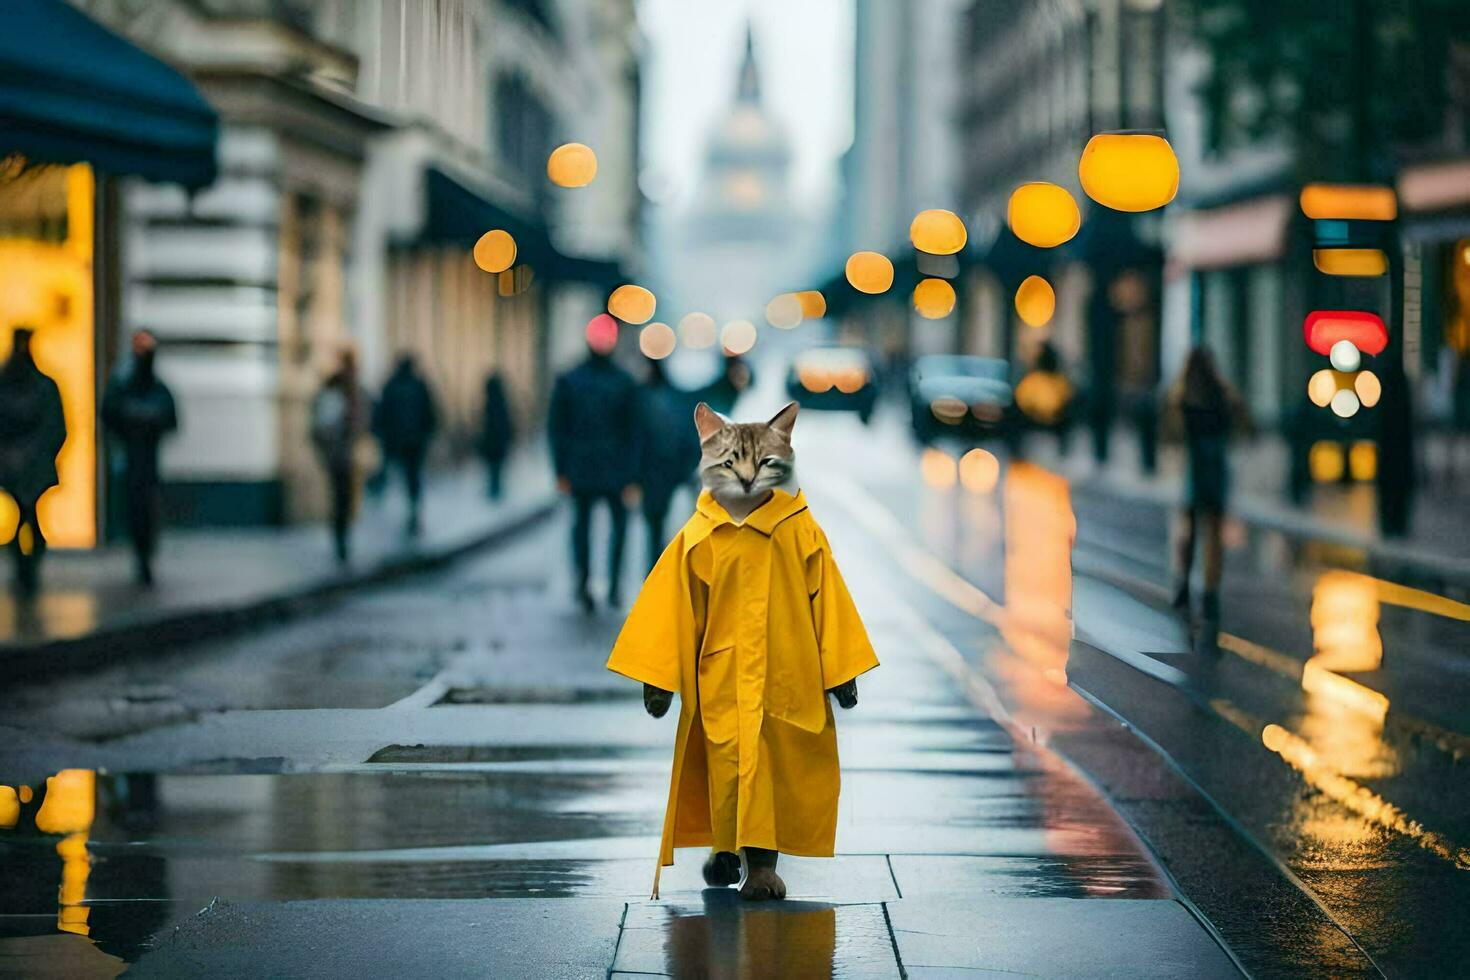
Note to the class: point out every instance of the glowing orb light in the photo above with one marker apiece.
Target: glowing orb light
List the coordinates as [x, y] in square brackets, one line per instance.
[784, 312]
[572, 165]
[938, 232]
[938, 469]
[1368, 388]
[1042, 214]
[657, 341]
[1350, 261]
[813, 304]
[738, 336]
[1349, 202]
[1324, 328]
[869, 272]
[1345, 357]
[979, 471]
[495, 251]
[1036, 301]
[602, 333]
[1321, 388]
[1129, 171]
[1345, 403]
[697, 330]
[631, 304]
[1363, 461]
[934, 299]
[1325, 462]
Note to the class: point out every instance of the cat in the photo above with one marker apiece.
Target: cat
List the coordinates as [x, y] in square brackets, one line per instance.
[740, 465]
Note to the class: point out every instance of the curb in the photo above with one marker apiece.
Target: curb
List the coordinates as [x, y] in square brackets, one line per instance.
[109, 644]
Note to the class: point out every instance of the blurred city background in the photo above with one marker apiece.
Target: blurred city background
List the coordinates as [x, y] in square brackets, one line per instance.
[305, 275]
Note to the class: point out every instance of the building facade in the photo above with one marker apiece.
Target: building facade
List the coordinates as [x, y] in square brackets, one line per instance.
[364, 147]
[1038, 79]
[905, 155]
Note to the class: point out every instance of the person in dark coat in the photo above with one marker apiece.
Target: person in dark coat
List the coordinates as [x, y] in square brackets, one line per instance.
[497, 433]
[32, 431]
[592, 424]
[339, 415]
[668, 451]
[404, 422]
[138, 411]
[1207, 410]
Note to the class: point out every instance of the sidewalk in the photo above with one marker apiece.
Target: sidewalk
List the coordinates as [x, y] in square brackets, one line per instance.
[508, 827]
[1436, 552]
[210, 580]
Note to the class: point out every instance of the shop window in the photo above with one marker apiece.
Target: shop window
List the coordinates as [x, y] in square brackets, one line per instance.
[46, 229]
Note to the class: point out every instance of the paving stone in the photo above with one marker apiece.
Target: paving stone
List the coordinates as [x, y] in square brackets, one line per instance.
[725, 936]
[1055, 937]
[522, 938]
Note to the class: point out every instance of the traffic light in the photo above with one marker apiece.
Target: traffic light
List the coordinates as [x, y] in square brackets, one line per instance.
[1352, 237]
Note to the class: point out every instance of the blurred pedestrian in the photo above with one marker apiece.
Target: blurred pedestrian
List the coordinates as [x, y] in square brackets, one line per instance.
[497, 433]
[138, 411]
[1205, 409]
[722, 393]
[592, 422]
[32, 431]
[339, 418]
[404, 422]
[668, 450]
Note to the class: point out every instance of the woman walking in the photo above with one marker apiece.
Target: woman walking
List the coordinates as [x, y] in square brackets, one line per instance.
[1207, 407]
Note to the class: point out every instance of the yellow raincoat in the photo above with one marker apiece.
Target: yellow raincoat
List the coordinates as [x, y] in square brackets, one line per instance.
[752, 624]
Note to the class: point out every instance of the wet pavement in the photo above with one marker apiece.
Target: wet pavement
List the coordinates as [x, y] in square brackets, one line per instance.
[1325, 721]
[1051, 772]
[440, 778]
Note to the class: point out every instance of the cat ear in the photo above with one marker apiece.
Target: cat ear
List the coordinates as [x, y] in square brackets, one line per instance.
[784, 420]
[707, 421]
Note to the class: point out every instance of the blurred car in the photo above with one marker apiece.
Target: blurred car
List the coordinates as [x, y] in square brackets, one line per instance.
[834, 379]
[961, 396]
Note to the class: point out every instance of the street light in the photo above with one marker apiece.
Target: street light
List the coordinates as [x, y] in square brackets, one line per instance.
[1129, 171]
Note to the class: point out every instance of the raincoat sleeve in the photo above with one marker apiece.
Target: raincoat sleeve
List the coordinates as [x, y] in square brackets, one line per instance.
[841, 639]
[661, 631]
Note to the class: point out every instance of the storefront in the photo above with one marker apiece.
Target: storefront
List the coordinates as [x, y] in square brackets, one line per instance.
[79, 106]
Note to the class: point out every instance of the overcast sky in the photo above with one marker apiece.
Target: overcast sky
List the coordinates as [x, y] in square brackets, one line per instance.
[804, 50]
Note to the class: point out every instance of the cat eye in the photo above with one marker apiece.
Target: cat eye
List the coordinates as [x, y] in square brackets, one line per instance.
[729, 464]
[769, 461]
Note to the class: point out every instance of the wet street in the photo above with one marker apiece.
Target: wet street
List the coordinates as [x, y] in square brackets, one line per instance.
[438, 775]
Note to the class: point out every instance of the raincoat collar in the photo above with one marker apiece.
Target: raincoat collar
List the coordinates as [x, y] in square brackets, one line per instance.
[764, 518]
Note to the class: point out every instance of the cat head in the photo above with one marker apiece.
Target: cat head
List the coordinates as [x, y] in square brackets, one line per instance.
[744, 460]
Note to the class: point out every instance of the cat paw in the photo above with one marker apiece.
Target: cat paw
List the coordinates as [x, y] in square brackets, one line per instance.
[846, 694]
[656, 701]
[762, 884]
[722, 869]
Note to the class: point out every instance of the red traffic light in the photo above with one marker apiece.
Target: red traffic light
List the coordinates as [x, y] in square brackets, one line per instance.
[1323, 328]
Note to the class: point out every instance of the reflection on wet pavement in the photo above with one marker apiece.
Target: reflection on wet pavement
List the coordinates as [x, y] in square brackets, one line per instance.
[548, 784]
[723, 937]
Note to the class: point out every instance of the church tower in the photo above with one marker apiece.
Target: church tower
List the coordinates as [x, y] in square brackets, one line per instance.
[738, 235]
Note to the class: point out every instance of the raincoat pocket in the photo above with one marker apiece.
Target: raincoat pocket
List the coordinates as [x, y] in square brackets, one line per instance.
[718, 706]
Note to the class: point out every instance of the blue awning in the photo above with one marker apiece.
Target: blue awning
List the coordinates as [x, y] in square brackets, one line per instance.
[72, 91]
[457, 215]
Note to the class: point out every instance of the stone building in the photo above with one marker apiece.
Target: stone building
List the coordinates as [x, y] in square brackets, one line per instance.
[1038, 80]
[364, 146]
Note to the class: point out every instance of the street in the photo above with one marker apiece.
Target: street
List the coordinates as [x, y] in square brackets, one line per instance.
[614, 488]
[454, 736]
